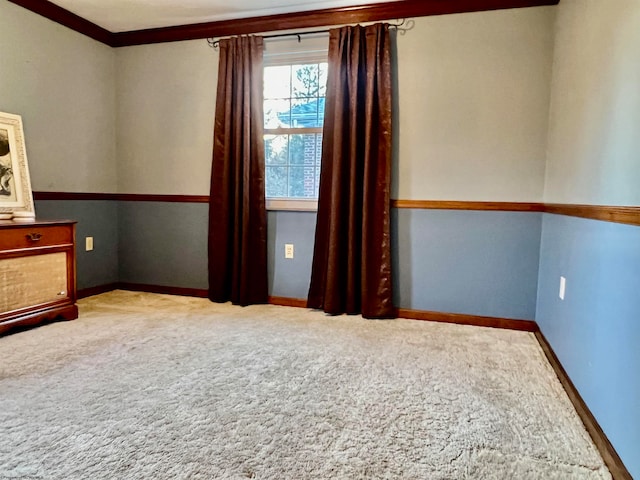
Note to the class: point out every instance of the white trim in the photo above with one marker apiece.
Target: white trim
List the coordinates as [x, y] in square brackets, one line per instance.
[292, 204]
[289, 51]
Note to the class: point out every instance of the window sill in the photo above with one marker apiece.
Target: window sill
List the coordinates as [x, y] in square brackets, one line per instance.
[292, 205]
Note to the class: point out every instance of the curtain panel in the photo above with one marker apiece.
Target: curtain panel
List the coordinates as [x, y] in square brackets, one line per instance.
[237, 211]
[351, 270]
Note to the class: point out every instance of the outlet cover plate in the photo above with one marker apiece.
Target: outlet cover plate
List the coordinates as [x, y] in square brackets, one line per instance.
[288, 250]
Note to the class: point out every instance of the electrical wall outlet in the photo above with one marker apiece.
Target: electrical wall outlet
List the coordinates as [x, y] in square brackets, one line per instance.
[563, 287]
[288, 250]
[88, 244]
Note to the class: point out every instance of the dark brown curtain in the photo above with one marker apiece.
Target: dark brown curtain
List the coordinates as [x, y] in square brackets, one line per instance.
[351, 270]
[237, 213]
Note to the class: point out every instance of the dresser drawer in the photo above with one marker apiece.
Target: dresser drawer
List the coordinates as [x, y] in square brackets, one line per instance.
[36, 236]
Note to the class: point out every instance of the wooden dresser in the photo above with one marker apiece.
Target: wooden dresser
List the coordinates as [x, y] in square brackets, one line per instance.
[37, 272]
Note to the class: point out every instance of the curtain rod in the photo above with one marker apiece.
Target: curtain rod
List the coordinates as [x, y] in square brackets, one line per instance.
[399, 27]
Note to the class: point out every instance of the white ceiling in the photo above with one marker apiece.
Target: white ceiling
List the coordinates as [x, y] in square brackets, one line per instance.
[126, 15]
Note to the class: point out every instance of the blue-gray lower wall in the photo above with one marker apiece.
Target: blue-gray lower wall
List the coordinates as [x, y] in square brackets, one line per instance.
[470, 262]
[290, 277]
[595, 330]
[97, 219]
[163, 243]
[166, 244]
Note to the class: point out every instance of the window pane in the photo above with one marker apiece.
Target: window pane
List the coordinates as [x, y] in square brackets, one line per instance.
[302, 182]
[277, 82]
[296, 175]
[323, 67]
[302, 149]
[305, 81]
[297, 146]
[304, 112]
[277, 113]
[276, 149]
[321, 102]
[276, 181]
[318, 148]
[310, 187]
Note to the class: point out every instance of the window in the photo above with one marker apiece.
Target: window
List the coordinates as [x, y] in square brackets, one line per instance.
[294, 97]
[293, 116]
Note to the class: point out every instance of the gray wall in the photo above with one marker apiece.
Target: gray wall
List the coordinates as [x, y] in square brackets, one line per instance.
[473, 106]
[63, 85]
[166, 97]
[593, 140]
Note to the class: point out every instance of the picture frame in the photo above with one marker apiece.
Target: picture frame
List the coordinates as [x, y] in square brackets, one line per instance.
[16, 197]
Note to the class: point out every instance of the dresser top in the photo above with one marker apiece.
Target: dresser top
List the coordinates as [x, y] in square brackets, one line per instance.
[34, 223]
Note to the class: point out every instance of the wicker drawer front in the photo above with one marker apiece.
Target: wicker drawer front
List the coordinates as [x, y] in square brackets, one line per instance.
[27, 237]
[32, 280]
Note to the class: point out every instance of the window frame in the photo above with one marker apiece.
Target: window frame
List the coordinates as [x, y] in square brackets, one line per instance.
[290, 52]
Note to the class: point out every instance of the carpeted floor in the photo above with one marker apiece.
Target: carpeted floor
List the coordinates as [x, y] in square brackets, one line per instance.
[160, 387]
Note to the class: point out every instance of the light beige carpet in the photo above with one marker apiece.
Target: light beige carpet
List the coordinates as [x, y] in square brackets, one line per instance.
[160, 387]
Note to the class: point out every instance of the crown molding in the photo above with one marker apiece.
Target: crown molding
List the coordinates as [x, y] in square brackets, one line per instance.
[68, 19]
[271, 23]
[319, 18]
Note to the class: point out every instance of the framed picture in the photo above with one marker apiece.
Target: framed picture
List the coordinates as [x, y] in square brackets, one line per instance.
[16, 199]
